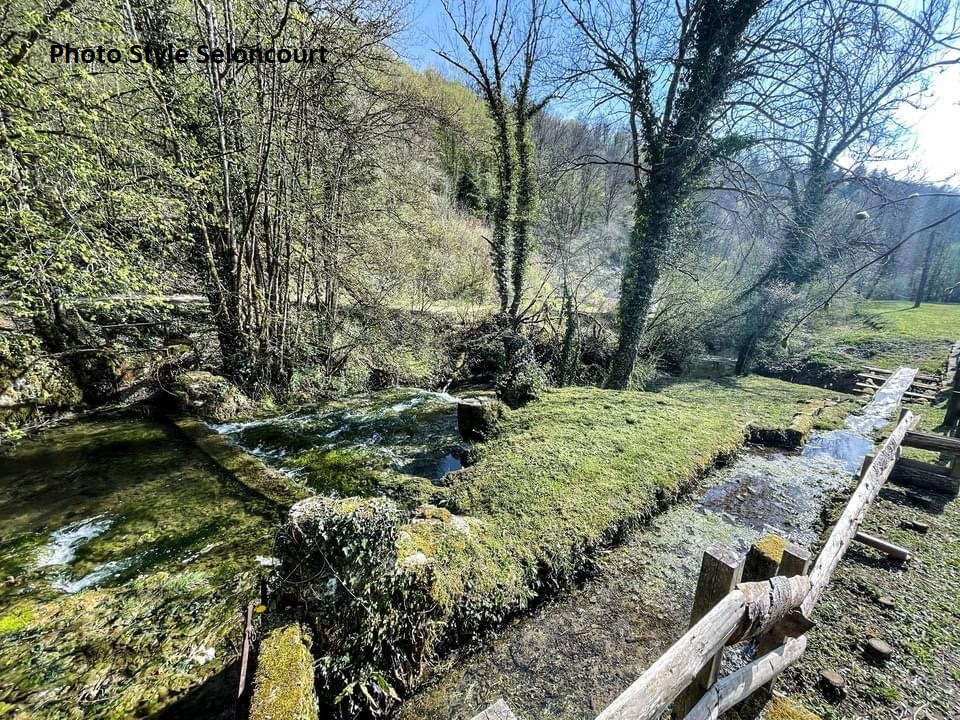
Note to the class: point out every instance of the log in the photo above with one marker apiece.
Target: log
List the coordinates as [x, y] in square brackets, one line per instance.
[918, 376]
[871, 481]
[750, 610]
[921, 396]
[929, 441]
[887, 548]
[720, 572]
[925, 476]
[738, 686]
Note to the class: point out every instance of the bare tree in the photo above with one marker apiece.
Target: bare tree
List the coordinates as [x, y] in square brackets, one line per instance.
[499, 51]
[671, 71]
[854, 64]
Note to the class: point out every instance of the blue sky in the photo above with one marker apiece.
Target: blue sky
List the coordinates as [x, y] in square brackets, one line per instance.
[933, 148]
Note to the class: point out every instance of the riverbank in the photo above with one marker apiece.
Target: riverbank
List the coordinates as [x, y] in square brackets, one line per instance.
[838, 343]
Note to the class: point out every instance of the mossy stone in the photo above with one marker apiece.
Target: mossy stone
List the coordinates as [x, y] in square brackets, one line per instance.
[283, 683]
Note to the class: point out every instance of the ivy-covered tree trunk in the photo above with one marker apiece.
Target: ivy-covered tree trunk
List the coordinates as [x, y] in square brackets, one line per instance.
[503, 208]
[526, 199]
[921, 293]
[654, 209]
[568, 354]
[795, 265]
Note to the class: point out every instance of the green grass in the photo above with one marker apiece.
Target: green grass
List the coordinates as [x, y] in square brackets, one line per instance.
[886, 334]
[567, 474]
[931, 421]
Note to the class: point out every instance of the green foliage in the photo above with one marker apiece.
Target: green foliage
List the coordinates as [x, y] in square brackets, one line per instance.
[371, 615]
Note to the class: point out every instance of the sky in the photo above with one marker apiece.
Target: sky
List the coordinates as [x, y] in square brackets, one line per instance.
[931, 149]
[936, 131]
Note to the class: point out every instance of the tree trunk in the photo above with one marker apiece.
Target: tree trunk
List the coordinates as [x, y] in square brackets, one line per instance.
[568, 358]
[921, 293]
[648, 243]
[503, 208]
[526, 195]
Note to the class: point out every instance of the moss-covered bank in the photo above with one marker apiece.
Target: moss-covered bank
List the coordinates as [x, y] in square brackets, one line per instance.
[563, 478]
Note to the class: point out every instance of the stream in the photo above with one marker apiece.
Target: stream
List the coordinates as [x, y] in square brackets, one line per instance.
[572, 655]
[125, 557]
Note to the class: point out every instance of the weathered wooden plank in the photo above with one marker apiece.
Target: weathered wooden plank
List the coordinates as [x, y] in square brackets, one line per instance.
[498, 711]
[720, 571]
[750, 610]
[885, 372]
[738, 686]
[925, 476]
[887, 548]
[929, 441]
[795, 561]
[872, 479]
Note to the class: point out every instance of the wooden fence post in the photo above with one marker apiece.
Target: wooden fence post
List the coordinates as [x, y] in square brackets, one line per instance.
[770, 556]
[720, 572]
[953, 404]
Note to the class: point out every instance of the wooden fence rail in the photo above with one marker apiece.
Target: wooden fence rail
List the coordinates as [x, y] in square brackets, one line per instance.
[745, 612]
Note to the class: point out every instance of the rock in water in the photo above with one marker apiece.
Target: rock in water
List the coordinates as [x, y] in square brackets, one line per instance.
[477, 418]
[210, 396]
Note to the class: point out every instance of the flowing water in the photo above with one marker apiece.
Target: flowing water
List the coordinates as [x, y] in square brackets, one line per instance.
[125, 558]
[124, 561]
[341, 447]
[574, 654]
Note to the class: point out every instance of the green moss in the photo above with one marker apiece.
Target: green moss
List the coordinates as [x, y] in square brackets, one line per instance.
[244, 468]
[884, 334]
[347, 471]
[283, 683]
[15, 620]
[126, 646]
[772, 546]
[570, 473]
[786, 709]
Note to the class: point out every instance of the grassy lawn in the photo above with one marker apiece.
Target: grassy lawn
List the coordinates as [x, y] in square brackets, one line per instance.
[886, 334]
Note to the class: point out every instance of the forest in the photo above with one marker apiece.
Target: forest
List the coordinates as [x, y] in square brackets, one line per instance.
[417, 336]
